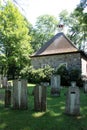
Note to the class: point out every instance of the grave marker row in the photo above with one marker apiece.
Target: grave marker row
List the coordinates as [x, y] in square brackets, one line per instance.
[20, 96]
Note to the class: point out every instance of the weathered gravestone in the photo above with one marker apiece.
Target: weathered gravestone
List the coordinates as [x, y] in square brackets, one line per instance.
[4, 82]
[9, 84]
[85, 87]
[7, 97]
[20, 94]
[55, 85]
[46, 84]
[73, 100]
[40, 98]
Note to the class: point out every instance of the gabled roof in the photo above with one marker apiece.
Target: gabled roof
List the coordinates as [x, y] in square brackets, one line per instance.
[59, 44]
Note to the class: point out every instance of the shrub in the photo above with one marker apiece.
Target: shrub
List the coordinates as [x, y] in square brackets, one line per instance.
[69, 75]
[75, 75]
[40, 75]
[63, 72]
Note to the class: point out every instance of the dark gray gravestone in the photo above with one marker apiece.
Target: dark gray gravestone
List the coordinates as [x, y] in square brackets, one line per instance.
[20, 94]
[73, 100]
[7, 97]
[85, 87]
[40, 98]
[55, 85]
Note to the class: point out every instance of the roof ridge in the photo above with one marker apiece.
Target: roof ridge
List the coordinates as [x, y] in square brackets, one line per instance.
[48, 43]
[45, 48]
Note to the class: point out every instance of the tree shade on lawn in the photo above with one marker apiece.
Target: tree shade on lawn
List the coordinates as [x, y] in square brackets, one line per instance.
[54, 118]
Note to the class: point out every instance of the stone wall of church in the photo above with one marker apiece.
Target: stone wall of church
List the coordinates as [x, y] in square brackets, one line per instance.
[72, 60]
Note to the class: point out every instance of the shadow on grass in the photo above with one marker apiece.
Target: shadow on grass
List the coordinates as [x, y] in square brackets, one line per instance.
[29, 120]
[53, 119]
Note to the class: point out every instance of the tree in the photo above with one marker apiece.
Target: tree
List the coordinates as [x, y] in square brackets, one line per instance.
[14, 39]
[44, 29]
[82, 18]
[76, 24]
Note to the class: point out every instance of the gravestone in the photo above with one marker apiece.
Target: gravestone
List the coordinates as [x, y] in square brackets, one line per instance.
[46, 84]
[55, 85]
[40, 98]
[85, 87]
[4, 82]
[73, 100]
[20, 94]
[7, 97]
[9, 84]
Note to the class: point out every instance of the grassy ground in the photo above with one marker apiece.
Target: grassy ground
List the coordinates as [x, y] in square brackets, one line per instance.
[53, 119]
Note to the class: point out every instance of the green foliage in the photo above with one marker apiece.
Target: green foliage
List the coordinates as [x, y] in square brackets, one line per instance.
[75, 74]
[76, 24]
[40, 75]
[3, 64]
[69, 75]
[14, 39]
[44, 29]
[63, 72]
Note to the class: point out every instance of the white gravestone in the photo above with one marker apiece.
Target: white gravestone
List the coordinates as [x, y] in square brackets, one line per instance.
[73, 100]
[72, 103]
[55, 85]
[20, 94]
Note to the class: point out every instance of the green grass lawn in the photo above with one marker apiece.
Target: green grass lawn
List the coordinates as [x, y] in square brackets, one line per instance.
[53, 119]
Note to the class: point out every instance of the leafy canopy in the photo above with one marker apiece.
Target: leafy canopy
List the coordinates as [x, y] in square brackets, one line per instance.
[43, 30]
[14, 38]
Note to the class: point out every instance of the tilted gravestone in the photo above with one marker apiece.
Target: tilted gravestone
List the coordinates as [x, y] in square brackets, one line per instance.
[73, 100]
[20, 94]
[40, 98]
[55, 85]
[85, 87]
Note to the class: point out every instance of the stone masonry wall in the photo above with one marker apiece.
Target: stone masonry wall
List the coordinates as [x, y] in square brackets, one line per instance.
[71, 60]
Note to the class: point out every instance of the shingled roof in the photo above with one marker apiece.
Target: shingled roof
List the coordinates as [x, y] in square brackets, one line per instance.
[59, 44]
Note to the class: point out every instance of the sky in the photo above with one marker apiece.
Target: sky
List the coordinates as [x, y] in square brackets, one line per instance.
[34, 8]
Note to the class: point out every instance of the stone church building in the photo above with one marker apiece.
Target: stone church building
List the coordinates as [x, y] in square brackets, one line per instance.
[60, 50]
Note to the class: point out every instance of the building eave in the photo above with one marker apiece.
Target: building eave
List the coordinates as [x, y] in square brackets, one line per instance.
[56, 54]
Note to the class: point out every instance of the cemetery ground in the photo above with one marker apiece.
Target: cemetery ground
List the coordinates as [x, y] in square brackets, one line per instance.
[53, 119]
